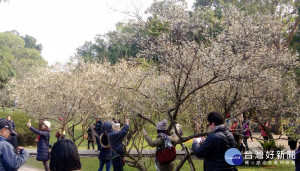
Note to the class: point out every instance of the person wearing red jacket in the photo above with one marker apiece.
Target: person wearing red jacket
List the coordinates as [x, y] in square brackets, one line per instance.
[263, 131]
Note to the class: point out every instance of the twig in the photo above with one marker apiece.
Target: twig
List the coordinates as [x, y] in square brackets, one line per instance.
[140, 115]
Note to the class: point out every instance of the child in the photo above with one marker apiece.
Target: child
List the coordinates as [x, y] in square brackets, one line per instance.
[43, 143]
[105, 153]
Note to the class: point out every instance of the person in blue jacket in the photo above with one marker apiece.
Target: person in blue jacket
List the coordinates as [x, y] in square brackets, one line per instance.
[9, 161]
[43, 144]
[115, 143]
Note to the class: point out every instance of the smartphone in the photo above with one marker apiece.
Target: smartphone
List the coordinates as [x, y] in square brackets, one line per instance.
[200, 140]
[29, 121]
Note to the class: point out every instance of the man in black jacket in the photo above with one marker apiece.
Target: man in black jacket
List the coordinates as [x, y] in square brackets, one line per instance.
[215, 145]
[99, 130]
[13, 140]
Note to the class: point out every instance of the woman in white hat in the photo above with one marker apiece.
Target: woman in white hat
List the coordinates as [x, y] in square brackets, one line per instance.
[43, 144]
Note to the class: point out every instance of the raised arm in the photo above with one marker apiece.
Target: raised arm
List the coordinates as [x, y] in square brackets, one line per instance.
[154, 143]
[45, 133]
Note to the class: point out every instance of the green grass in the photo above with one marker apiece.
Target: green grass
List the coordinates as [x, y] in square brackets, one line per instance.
[92, 164]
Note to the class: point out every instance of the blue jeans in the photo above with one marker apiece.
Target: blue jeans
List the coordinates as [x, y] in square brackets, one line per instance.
[117, 163]
[103, 162]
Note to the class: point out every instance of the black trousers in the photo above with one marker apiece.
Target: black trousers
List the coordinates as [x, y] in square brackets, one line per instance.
[89, 141]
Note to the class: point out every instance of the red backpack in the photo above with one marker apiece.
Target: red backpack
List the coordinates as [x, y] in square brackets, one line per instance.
[167, 155]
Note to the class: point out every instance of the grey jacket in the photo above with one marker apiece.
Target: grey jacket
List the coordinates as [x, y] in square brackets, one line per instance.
[9, 161]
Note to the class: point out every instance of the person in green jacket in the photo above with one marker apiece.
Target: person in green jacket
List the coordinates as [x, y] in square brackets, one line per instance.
[159, 142]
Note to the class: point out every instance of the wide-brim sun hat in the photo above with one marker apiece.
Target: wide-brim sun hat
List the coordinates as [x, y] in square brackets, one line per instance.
[47, 123]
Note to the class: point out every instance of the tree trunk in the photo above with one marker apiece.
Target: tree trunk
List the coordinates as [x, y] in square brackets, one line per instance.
[289, 38]
[277, 129]
[182, 161]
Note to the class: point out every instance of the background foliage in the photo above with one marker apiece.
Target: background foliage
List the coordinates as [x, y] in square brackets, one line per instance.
[25, 136]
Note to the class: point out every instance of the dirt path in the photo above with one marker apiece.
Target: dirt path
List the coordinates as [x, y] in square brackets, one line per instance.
[29, 168]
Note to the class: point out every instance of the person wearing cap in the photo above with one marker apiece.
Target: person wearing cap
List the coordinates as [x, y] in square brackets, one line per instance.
[10, 160]
[159, 142]
[115, 143]
[13, 138]
[43, 144]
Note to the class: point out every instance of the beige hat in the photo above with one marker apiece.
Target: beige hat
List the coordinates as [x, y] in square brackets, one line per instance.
[47, 123]
[116, 126]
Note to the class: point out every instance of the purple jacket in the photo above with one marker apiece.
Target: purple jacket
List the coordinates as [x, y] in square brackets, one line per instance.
[247, 133]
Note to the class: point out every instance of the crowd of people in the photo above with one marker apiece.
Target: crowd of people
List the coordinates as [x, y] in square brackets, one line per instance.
[64, 155]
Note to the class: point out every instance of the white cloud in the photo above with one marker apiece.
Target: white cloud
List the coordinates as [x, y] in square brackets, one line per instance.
[61, 26]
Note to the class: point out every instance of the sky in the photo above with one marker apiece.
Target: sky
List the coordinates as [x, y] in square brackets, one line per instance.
[61, 26]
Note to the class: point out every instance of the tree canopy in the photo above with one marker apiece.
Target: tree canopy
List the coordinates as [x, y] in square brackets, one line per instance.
[18, 55]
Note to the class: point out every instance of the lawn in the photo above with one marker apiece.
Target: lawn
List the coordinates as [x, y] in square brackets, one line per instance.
[92, 164]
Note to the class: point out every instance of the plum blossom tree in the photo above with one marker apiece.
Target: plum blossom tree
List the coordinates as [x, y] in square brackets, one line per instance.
[244, 60]
[66, 91]
[183, 71]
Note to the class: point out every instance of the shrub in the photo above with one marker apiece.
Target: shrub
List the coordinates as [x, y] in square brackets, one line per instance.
[25, 136]
[270, 145]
